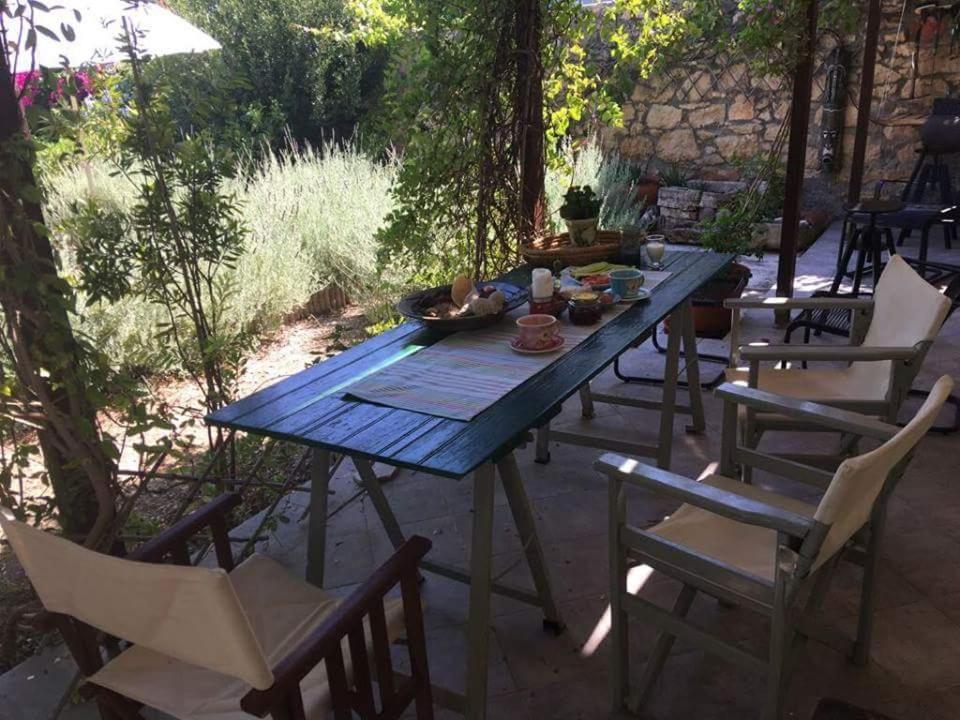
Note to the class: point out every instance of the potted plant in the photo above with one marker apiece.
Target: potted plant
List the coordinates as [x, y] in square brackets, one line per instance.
[580, 210]
[646, 184]
[734, 229]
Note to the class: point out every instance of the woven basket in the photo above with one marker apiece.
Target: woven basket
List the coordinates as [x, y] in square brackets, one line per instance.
[545, 251]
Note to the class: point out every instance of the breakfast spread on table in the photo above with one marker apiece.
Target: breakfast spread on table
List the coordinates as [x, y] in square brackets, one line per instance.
[585, 292]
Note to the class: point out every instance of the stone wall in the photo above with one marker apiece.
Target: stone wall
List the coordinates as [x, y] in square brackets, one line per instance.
[703, 117]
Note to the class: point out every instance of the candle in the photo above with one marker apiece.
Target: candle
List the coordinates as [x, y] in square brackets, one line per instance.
[542, 284]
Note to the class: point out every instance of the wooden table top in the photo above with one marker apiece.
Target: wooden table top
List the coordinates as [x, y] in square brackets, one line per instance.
[310, 408]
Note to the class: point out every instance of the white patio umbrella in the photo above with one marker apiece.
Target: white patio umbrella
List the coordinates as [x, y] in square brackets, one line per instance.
[87, 32]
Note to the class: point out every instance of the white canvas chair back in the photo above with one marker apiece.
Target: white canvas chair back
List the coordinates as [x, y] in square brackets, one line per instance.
[848, 501]
[906, 310]
[191, 614]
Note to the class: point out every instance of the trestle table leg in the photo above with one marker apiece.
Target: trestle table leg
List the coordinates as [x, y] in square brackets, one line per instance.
[317, 523]
[669, 400]
[692, 359]
[523, 519]
[480, 561]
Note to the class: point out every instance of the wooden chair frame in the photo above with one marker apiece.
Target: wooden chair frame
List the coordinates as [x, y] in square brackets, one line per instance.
[785, 600]
[905, 364]
[283, 701]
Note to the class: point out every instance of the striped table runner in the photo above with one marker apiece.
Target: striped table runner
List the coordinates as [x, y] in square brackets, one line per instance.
[462, 375]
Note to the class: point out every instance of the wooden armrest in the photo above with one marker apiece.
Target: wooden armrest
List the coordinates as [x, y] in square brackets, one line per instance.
[728, 504]
[829, 417]
[815, 303]
[325, 639]
[849, 353]
[174, 538]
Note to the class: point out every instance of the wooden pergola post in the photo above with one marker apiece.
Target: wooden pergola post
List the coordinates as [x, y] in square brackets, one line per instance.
[797, 155]
[799, 125]
[529, 110]
[867, 73]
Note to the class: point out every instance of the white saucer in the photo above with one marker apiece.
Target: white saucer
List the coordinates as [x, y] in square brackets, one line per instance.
[526, 351]
[642, 294]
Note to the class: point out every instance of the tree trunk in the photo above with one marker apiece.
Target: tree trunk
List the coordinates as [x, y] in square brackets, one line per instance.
[529, 99]
[47, 356]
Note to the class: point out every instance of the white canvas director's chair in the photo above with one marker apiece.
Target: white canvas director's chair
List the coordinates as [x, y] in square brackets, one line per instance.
[755, 548]
[892, 331]
[228, 643]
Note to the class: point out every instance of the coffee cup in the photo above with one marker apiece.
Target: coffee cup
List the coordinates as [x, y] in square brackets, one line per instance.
[626, 283]
[537, 331]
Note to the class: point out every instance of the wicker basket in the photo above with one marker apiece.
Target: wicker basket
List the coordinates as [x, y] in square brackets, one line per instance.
[545, 251]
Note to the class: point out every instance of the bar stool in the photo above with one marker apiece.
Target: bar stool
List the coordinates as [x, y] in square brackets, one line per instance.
[867, 239]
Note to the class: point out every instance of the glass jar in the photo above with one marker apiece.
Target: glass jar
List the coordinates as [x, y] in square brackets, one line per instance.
[585, 308]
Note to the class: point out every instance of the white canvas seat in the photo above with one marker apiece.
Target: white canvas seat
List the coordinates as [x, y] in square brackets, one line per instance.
[208, 644]
[281, 609]
[752, 547]
[895, 328]
[747, 547]
[841, 385]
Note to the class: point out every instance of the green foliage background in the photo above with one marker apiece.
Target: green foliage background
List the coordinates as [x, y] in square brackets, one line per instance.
[276, 72]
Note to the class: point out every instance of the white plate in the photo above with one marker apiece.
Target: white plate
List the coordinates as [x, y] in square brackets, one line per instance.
[642, 294]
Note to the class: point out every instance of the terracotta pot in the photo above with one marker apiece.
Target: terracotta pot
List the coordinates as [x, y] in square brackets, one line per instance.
[648, 187]
[710, 318]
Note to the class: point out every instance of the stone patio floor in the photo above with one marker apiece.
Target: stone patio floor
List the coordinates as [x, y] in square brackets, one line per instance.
[915, 673]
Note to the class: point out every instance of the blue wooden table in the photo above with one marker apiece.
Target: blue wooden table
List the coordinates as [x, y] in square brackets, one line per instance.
[311, 408]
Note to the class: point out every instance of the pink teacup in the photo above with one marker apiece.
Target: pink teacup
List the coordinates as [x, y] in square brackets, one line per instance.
[537, 331]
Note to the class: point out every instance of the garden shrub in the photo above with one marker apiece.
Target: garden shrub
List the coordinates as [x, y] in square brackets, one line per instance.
[312, 218]
[277, 70]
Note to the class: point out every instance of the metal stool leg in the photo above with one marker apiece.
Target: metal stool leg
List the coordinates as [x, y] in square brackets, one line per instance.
[845, 260]
[876, 249]
[861, 261]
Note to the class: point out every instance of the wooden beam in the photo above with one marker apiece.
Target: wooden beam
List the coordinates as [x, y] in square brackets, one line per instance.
[529, 110]
[866, 99]
[797, 154]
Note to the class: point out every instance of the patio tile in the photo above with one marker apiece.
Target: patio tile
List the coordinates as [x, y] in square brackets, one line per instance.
[823, 672]
[698, 685]
[444, 532]
[843, 599]
[582, 698]
[943, 705]
[919, 645]
[926, 558]
[447, 653]
[571, 515]
[537, 658]
[414, 497]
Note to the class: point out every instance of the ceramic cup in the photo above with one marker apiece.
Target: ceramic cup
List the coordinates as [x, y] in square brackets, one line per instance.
[626, 283]
[537, 331]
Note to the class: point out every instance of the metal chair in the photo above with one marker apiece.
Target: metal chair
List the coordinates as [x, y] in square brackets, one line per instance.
[754, 548]
[891, 333]
[230, 643]
[913, 217]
